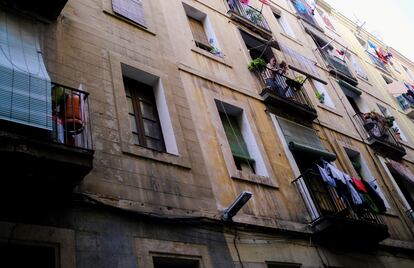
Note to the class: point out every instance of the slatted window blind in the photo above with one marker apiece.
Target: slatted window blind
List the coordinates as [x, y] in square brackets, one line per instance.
[299, 61]
[130, 9]
[25, 86]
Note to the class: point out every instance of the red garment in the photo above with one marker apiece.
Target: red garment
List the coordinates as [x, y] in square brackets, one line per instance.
[359, 185]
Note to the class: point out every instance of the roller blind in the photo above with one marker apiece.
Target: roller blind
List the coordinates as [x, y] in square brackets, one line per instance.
[234, 136]
[130, 9]
[25, 86]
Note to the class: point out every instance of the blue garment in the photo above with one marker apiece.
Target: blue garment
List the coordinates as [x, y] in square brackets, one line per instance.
[326, 178]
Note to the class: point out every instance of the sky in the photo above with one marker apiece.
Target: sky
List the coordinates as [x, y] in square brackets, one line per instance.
[390, 20]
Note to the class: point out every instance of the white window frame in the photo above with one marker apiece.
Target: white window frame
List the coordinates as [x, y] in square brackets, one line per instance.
[284, 24]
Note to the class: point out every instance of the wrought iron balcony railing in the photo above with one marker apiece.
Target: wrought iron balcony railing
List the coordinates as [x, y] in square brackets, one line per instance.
[70, 117]
[376, 130]
[328, 202]
[285, 88]
[337, 65]
[248, 12]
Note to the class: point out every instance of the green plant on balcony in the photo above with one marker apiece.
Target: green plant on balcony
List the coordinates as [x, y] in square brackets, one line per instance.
[257, 65]
[320, 96]
[254, 15]
[390, 120]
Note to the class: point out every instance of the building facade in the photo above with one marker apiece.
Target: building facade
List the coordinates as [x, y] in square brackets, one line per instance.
[128, 128]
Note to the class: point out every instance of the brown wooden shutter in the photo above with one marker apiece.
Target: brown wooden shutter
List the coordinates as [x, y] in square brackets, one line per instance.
[197, 29]
[130, 9]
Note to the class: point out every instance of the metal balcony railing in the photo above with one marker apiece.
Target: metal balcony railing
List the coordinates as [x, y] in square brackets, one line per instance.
[337, 64]
[328, 202]
[377, 62]
[70, 117]
[285, 87]
[248, 12]
[375, 127]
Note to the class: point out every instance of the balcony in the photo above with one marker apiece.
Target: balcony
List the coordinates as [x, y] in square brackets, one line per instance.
[379, 135]
[286, 94]
[250, 17]
[339, 68]
[338, 223]
[46, 162]
[377, 62]
[46, 9]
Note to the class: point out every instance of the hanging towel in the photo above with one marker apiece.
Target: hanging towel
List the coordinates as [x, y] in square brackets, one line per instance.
[326, 178]
[356, 198]
[359, 185]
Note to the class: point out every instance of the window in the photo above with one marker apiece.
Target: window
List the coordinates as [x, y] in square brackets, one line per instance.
[305, 11]
[25, 255]
[395, 127]
[284, 24]
[362, 169]
[25, 86]
[130, 9]
[283, 265]
[409, 72]
[143, 115]
[243, 145]
[356, 64]
[203, 34]
[387, 79]
[237, 144]
[326, 19]
[322, 94]
[257, 48]
[169, 262]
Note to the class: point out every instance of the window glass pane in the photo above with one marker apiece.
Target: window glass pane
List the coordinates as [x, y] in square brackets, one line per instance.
[130, 106]
[151, 129]
[148, 111]
[154, 144]
[133, 123]
[135, 138]
[127, 92]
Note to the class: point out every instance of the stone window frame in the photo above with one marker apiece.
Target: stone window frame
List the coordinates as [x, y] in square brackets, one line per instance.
[62, 239]
[178, 155]
[268, 180]
[146, 249]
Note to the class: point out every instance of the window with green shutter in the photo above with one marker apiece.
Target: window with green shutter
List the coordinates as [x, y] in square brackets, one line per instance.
[236, 141]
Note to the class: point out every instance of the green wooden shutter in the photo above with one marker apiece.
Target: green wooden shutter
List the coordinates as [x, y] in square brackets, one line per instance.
[25, 87]
[234, 136]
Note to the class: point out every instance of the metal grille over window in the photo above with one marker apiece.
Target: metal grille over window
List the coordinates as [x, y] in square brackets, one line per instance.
[130, 9]
[25, 87]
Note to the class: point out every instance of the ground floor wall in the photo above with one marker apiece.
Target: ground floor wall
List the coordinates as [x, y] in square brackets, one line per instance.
[90, 235]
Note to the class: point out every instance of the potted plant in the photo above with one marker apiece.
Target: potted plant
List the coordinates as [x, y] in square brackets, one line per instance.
[320, 96]
[390, 120]
[254, 15]
[257, 65]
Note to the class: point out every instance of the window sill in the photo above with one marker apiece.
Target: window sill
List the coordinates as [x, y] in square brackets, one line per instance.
[253, 178]
[210, 56]
[328, 108]
[291, 38]
[163, 157]
[143, 28]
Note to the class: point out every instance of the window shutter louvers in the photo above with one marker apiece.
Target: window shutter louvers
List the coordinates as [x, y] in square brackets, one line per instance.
[130, 9]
